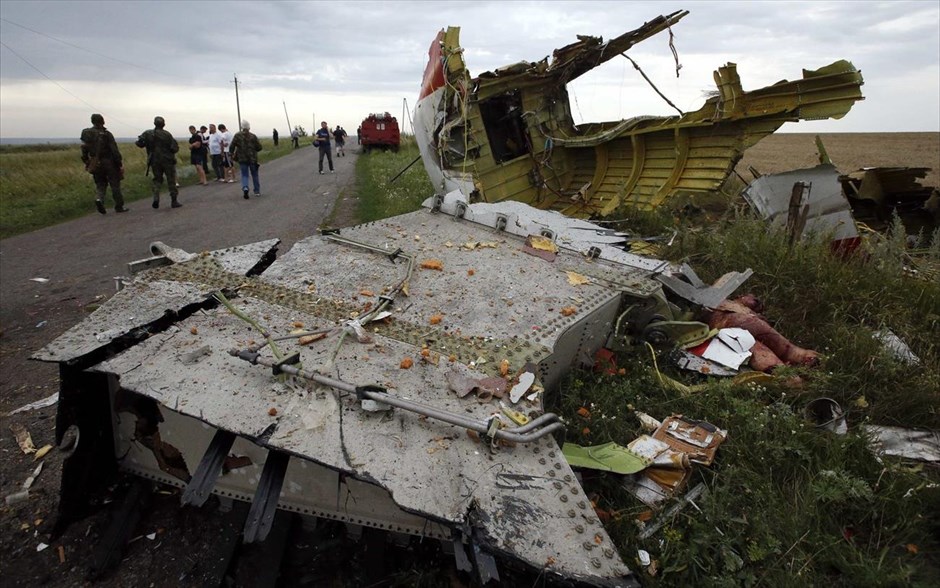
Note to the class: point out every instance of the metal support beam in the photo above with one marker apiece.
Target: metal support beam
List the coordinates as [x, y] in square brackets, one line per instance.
[264, 504]
[210, 466]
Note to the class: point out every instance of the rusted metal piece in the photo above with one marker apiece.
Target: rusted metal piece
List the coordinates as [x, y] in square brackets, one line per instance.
[509, 134]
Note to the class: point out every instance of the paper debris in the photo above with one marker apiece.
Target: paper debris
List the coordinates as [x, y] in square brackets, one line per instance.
[40, 280]
[576, 279]
[47, 401]
[730, 348]
[525, 382]
[22, 438]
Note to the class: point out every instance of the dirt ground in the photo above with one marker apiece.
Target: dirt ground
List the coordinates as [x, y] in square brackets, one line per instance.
[848, 151]
[33, 314]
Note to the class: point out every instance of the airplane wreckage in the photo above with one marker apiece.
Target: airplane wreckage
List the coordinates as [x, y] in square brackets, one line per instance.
[401, 374]
[510, 135]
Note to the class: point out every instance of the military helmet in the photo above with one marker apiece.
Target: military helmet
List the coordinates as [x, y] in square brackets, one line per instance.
[159, 122]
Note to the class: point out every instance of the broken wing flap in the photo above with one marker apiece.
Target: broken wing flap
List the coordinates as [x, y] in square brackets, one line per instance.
[827, 92]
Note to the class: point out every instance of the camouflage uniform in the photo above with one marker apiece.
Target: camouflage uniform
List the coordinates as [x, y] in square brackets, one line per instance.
[103, 161]
[161, 154]
[245, 148]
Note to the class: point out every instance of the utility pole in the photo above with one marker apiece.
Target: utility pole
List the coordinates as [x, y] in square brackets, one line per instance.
[411, 123]
[290, 129]
[238, 107]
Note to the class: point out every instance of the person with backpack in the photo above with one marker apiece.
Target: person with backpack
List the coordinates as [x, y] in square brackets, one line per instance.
[161, 157]
[245, 148]
[103, 161]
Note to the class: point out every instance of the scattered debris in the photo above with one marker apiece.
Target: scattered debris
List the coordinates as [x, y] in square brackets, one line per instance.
[526, 379]
[195, 355]
[40, 280]
[896, 346]
[807, 202]
[906, 443]
[826, 414]
[667, 515]
[608, 457]
[698, 439]
[42, 451]
[730, 347]
[23, 438]
[686, 360]
[42, 547]
[47, 401]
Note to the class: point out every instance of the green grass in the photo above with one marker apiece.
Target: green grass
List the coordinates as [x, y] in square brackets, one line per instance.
[783, 495]
[42, 185]
[381, 198]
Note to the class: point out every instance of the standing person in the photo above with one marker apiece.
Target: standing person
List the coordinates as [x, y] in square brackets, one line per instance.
[338, 136]
[215, 151]
[161, 157]
[274, 136]
[323, 142]
[195, 154]
[359, 135]
[227, 166]
[245, 148]
[203, 132]
[295, 138]
[103, 161]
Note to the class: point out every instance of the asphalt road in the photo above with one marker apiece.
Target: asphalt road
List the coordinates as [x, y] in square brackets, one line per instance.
[79, 259]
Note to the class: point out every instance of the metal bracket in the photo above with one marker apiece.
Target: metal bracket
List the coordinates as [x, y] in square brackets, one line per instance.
[289, 360]
[264, 504]
[207, 472]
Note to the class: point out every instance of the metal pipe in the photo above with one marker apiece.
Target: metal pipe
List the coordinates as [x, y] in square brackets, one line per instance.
[523, 434]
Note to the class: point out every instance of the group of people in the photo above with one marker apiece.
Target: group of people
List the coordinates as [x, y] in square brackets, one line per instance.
[103, 160]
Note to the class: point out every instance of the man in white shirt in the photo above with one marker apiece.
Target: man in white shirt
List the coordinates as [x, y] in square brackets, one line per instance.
[226, 154]
[215, 152]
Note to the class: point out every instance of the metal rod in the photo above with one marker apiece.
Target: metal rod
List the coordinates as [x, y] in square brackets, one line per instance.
[523, 434]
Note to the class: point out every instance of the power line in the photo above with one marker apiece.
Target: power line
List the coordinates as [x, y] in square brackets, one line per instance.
[63, 88]
[41, 34]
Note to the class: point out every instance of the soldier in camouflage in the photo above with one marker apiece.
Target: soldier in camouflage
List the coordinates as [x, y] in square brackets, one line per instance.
[245, 148]
[161, 157]
[103, 161]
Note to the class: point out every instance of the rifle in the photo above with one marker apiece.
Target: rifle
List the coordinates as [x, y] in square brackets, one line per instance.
[146, 140]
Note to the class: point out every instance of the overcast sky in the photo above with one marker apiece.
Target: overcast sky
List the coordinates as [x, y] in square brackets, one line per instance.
[338, 61]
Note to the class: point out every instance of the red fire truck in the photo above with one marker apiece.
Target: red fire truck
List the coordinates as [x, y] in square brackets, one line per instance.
[379, 131]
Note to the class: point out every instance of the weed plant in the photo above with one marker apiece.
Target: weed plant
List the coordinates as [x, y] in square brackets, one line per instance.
[43, 185]
[379, 196]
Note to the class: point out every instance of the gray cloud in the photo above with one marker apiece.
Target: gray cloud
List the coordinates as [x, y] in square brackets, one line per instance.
[336, 56]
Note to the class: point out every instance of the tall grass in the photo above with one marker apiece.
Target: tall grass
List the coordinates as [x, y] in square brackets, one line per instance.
[42, 185]
[379, 196]
[789, 504]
